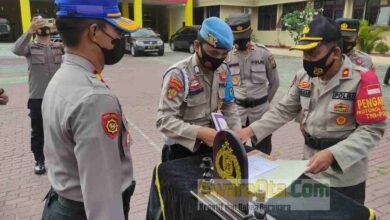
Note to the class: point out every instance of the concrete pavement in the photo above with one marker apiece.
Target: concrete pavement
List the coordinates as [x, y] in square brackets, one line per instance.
[137, 83]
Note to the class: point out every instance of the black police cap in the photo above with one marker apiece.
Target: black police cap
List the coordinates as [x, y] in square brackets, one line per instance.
[240, 25]
[320, 29]
[348, 26]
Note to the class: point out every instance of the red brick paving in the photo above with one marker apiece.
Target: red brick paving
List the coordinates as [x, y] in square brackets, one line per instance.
[137, 82]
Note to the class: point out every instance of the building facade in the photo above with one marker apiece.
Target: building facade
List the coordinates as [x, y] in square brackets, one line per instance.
[167, 16]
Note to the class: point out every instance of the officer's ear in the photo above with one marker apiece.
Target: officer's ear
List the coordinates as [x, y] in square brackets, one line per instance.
[92, 31]
[197, 46]
[338, 53]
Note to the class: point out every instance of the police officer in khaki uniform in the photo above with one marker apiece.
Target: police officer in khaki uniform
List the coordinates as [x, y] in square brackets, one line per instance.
[349, 32]
[87, 140]
[193, 89]
[254, 75]
[44, 58]
[333, 94]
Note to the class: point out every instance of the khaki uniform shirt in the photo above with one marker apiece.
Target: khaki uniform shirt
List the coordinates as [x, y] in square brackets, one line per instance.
[361, 59]
[87, 142]
[179, 118]
[328, 112]
[43, 63]
[254, 76]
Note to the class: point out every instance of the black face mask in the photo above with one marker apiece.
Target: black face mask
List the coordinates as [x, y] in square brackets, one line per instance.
[319, 67]
[215, 62]
[45, 31]
[114, 55]
[242, 44]
[348, 46]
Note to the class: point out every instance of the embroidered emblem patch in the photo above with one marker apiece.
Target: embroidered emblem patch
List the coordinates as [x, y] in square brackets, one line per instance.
[110, 124]
[235, 79]
[172, 93]
[272, 62]
[359, 61]
[341, 120]
[304, 85]
[345, 73]
[341, 107]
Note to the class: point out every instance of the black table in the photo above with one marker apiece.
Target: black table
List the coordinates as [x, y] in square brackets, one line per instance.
[173, 180]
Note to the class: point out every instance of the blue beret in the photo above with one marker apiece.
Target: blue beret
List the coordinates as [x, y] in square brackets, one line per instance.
[217, 33]
[95, 9]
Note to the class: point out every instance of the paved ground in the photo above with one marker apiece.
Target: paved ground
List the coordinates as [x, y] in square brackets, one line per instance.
[137, 82]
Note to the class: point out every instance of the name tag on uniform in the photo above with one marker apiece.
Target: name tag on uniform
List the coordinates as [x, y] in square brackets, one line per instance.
[304, 92]
[257, 61]
[344, 95]
[233, 64]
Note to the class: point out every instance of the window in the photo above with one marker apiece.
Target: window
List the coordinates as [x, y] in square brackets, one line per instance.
[366, 9]
[384, 16]
[372, 11]
[198, 15]
[287, 8]
[247, 10]
[267, 18]
[212, 11]
[358, 9]
[332, 8]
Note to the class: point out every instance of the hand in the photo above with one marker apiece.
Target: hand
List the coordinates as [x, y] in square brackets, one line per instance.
[3, 97]
[320, 162]
[207, 135]
[36, 24]
[245, 134]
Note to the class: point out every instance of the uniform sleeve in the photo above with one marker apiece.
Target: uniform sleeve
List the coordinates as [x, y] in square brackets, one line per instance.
[286, 110]
[21, 47]
[358, 144]
[95, 124]
[169, 121]
[272, 75]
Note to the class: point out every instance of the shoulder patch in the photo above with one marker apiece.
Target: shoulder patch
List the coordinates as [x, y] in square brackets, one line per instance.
[174, 88]
[271, 61]
[110, 124]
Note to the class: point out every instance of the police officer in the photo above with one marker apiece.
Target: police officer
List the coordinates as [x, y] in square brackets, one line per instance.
[387, 77]
[254, 75]
[87, 140]
[193, 89]
[349, 32]
[44, 58]
[341, 125]
[3, 97]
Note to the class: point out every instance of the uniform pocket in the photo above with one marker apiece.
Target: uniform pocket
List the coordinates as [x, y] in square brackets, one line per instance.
[236, 77]
[340, 116]
[37, 56]
[258, 74]
[195, 108]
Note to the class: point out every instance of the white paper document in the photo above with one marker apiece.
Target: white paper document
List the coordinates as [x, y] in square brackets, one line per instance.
[219, 121]
[258, 165]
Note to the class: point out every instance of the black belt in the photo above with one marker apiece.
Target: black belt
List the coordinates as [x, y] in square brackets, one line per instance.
[320, 143]
[70, 203]
[250, 103]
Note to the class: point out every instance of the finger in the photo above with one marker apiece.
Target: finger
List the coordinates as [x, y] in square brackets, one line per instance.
[311, 166]
[310, 162]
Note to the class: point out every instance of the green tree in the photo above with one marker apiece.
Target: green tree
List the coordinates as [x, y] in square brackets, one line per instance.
[295, 21]
[370, 36]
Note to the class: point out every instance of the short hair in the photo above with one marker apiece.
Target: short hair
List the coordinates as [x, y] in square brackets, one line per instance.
[71, 29]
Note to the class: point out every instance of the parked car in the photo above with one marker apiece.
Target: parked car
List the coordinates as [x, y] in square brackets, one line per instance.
[5, 30]
[183, 39]
[143, 41]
